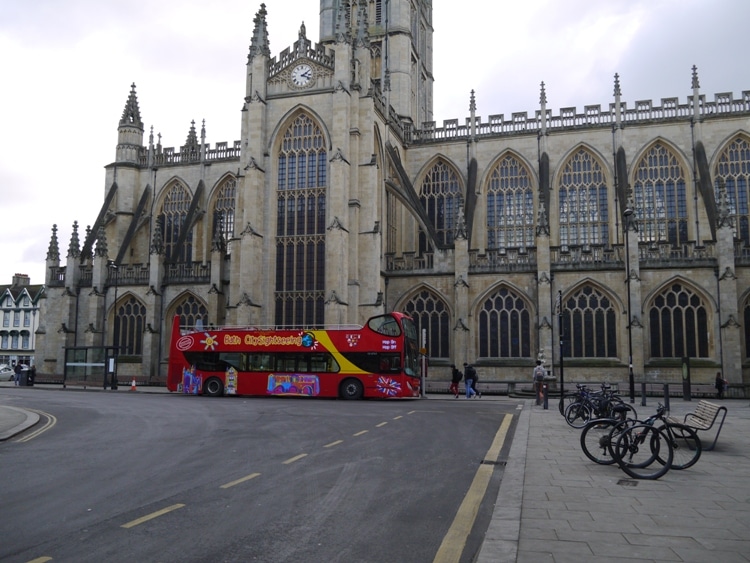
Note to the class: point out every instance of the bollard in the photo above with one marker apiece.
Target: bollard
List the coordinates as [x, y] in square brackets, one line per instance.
[643, 393]
[545, 396]
[666, 396]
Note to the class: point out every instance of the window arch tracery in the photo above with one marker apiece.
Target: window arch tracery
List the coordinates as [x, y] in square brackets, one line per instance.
[678, 323]
[510, 205]
[661, 197]
[174, 213]
[441, 197]
[300, 224]
[430, 312]
[734, 168]
[129, 325]
[504, 326]
[224, 208]
[583, 201]
[590, 324]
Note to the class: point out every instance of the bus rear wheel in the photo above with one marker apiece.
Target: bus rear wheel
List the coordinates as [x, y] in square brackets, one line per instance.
[213, 387]
[351, 389]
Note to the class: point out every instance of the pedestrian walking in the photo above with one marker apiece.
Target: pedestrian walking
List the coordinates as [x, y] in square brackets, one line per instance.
[539, 374]
[469, 381]
[474, 381]
[456, 377]
[721, 385]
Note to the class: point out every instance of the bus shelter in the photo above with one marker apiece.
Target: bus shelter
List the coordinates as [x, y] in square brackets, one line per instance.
[90, 366]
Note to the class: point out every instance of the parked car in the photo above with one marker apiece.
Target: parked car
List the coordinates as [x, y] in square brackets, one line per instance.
[6, 373]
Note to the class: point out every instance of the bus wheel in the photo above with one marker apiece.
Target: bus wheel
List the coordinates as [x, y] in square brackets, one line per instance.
[351, 389]
[213, 387]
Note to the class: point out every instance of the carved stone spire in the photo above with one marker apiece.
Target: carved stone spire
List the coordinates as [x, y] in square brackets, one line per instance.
[363, 36]
[542, 96]
[84, 252]
[53, 252]
[101, 243]
[74, 248]
[302, 45]
[192, 138]
[618, 92]
[259, 44]
[460, 231]
[696, 83]
[131, 115]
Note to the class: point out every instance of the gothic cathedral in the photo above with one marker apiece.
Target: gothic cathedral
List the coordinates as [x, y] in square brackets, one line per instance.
[617, 237]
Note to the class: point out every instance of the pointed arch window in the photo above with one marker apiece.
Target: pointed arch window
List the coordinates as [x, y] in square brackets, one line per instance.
[660, 197]
[300, 225]
[504, 326]
[678, 323]
[174, 214]
[734, 168]
[224, 210]
[441, 197]
[583, 201]
[192, 312]
[510, 205]
[129, 324]
[430, 312]
[590, 323]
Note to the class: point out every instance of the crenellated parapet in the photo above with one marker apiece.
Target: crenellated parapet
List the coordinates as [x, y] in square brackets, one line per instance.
[642, 112]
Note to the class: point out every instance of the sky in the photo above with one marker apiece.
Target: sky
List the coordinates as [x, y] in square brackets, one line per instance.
[67, 66]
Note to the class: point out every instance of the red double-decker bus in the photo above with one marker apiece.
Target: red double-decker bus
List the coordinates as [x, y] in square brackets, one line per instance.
[378, 360]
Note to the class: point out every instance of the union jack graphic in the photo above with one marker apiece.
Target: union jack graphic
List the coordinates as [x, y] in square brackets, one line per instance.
[388, 386]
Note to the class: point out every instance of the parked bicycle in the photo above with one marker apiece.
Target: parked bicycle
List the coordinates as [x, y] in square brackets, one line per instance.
[588, 405]
[643, 449]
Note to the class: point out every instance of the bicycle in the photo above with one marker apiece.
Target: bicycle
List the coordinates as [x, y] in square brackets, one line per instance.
[589, 405]
[671, 445]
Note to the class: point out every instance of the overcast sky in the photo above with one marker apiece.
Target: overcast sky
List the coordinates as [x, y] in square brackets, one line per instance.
[67, 67]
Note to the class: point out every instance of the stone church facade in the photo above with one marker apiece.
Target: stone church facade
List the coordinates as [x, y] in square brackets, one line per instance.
[618, 235]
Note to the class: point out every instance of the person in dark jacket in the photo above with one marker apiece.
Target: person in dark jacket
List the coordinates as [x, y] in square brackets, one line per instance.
[456, 377]
[469, 375]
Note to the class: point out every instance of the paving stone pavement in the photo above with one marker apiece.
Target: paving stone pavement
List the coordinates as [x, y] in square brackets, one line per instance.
[556, 505]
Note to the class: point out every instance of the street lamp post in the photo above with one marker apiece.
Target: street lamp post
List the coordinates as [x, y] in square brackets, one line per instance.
[115, 327]
[628, 213]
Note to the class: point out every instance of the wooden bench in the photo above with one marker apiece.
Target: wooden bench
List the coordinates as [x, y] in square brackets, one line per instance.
[704, 417]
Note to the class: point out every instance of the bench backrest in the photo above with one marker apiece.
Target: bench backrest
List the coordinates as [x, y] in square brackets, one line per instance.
[706, 410]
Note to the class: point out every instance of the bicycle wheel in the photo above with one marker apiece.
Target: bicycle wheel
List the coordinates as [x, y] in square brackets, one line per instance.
[596, 439]
[643, 452]
[685, 443]
[621, 410]
[577, 414]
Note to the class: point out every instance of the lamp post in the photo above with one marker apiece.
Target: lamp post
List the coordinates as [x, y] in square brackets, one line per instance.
[628, 214]
[115, 326]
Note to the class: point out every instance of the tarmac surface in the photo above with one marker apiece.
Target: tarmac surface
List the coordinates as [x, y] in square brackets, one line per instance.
[555, 505]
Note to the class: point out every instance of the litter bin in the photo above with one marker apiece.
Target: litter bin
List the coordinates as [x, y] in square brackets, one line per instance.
[30, 376]
[23, 378]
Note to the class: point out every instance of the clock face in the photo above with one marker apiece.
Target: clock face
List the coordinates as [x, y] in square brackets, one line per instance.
[301, 75]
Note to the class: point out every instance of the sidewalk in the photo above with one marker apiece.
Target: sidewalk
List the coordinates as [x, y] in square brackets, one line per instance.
[555, 505]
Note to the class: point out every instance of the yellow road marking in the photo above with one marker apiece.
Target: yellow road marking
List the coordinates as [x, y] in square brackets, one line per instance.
[361, 432]
[293, 459]
[152, 516]
[381, 424]
[238, 481]
[51, 421]
[40, 560]
[454, 541]
[397, 417]
[336, 443]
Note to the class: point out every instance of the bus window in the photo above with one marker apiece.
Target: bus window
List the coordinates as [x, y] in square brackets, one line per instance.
[323, 363]
[260, 361]
[385, 325]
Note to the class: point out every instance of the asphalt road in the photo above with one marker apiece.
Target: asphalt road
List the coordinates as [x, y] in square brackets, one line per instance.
[155, 477]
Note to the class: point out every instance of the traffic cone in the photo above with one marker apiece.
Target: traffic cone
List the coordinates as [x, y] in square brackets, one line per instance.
[132, 385]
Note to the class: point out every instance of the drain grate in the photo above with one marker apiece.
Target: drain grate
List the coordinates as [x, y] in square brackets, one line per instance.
[490, 462]
[627, 483]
